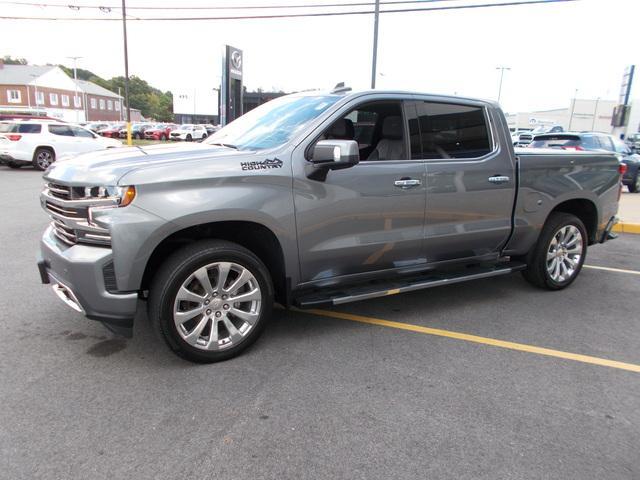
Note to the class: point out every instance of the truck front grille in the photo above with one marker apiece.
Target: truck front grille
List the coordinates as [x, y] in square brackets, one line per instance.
[59, 191]
[68, 212]
[64, 233]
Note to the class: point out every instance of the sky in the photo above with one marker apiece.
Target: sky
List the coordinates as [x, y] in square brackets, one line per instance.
[551, 49]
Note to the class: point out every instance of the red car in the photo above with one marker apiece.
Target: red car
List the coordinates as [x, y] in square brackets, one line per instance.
[158, 132]
[112, 131]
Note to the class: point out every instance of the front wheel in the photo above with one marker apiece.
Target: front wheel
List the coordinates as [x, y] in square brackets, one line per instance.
[211, 300]
[557, 258]
[189, 138]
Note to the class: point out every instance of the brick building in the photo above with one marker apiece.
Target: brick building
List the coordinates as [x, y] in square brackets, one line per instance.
[48, 90]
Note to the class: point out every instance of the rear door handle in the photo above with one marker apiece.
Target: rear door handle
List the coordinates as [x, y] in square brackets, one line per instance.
[498, 179]
[405, 183]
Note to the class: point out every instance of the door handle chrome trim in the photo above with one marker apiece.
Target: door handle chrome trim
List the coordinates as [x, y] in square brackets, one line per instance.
[407, 183]
[498, 179]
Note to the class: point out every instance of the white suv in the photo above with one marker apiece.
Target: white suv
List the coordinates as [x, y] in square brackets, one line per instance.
[189, 133]
[40, 143]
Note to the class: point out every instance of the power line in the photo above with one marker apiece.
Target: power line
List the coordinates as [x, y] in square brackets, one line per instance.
[220, 7]
[292, 15]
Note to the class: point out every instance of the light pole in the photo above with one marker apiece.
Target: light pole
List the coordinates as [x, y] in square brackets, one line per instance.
[502, 69]
[573, 108]
[595, 113]
[375, 44]
[75, 81]
[126, 70]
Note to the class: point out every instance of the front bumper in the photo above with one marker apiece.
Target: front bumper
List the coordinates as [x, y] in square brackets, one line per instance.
[77, 276]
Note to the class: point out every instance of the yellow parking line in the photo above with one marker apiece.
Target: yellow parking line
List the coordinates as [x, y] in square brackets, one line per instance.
[609, 269]
[476, 339]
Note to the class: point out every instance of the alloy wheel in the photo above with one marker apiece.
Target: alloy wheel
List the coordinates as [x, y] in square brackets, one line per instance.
[44, 159]
[217, 306]
[564, 253]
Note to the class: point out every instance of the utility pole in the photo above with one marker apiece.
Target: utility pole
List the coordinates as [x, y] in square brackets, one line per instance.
[375, 44]
[502, 69]
[126, 71]
[75, 81]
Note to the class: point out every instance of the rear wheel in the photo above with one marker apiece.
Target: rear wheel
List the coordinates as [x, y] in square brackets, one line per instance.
[634, 187]
[557, 258]
[189, 138]
[211, 300]
[43, 158]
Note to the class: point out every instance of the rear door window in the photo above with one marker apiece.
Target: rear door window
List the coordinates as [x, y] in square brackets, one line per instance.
[449, 130]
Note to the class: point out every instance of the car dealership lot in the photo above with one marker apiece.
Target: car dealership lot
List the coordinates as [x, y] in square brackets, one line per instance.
[322, 397]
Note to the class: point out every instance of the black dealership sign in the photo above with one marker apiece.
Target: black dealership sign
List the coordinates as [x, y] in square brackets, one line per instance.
[231, 85]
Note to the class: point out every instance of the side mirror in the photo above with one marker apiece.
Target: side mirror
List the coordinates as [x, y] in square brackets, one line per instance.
[335, 154]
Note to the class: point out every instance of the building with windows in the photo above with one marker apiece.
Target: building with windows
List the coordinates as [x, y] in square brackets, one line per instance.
[47, 90]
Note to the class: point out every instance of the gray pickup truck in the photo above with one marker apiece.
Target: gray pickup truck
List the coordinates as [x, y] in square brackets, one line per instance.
[315, 199]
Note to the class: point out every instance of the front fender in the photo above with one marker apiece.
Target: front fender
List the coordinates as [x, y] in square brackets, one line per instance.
[262, 199]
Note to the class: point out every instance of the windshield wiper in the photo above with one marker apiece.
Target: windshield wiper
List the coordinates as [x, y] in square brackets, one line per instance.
[228, 145]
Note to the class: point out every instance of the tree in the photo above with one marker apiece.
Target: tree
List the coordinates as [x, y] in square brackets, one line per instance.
[8, 60]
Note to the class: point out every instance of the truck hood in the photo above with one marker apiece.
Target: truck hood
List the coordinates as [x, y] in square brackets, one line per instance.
[106, 167]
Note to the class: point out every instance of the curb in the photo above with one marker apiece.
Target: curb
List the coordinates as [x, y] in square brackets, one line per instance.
[624, 227]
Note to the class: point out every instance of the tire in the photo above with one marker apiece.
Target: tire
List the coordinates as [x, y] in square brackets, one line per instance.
[13, 165]
[634, 187]
[204, 135]
[176, 290]
[189, 138]
[43, 158]
[557, 258]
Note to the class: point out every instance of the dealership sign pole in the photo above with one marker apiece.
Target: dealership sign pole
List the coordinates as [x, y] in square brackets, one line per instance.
[126, 71]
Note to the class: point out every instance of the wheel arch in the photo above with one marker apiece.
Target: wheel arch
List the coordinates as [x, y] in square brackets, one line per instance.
[255, 237]
[583, 208]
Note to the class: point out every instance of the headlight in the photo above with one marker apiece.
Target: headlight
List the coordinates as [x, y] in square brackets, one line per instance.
[122, 195]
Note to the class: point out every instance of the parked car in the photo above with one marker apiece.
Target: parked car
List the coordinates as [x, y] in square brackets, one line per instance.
[111, 131]
[137, 130]
[284, 205]
[157, 132]
[583, 141]
[95, 127]
[189, 133]
[525, 138]
[40, 143]
[633, 140]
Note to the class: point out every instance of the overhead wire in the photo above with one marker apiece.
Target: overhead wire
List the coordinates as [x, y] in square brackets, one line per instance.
[296, 15]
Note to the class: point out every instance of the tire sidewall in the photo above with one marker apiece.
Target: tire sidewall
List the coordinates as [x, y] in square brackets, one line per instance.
[549, 234]
[35, 158]
[171, 281]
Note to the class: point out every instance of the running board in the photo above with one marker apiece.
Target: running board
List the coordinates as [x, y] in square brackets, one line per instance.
[366, 292]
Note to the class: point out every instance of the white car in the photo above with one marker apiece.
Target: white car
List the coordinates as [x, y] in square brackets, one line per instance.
[40, 143]
[189, 133]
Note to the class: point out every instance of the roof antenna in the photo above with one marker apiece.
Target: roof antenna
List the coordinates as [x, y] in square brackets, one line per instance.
[340, 88]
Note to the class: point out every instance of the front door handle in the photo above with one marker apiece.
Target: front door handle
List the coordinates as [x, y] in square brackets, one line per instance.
[405, 183]
[498, 179]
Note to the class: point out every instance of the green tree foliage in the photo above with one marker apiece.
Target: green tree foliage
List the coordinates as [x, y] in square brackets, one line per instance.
[153, 103]
[8, 60]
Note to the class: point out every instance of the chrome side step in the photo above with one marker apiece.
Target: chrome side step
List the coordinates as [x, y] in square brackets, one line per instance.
[375, 290]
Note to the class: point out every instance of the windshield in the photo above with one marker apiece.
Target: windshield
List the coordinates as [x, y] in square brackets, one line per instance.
[274, 123]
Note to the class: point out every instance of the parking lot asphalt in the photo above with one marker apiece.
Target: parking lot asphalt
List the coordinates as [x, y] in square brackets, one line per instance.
[324, 397]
